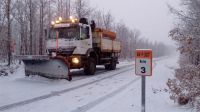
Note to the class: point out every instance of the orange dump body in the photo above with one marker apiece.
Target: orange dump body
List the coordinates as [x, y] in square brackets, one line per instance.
[106, 33]
[106, 40]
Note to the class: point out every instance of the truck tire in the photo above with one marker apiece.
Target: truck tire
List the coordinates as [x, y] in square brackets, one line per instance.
[90, 66]
[107, 67]
[113, 64]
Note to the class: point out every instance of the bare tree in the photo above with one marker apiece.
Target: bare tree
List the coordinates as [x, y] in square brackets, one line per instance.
[21, 19]
[67, 7]
[60, 8]
[30, 6]
[108, 20]
[63, 8]
[123, 35]
[82, 8]
[3, 47]
[8, 13]
[41, 18]
[98, 18]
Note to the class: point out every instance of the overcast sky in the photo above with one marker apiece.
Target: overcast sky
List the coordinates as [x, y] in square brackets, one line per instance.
[151, 17]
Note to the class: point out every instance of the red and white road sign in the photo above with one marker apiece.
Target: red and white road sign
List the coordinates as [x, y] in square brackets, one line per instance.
[143, 62]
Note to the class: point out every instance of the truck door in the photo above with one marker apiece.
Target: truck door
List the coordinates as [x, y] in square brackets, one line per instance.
[85, 40]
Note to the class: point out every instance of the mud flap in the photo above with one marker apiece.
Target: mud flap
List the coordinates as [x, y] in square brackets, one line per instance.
[55, 68]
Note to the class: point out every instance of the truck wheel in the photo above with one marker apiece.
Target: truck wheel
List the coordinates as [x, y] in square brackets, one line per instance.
[107, 67]
[90, 67]
[113, 64]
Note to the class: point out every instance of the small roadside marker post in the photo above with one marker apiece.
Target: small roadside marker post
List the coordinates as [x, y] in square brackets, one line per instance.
[143, 68]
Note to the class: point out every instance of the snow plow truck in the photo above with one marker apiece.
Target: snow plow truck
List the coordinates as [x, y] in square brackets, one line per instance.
[73, 44]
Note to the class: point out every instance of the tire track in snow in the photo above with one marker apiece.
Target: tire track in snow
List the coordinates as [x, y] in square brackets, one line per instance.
[100, 100]
[100, 73]
[91, 105]
[57, 93]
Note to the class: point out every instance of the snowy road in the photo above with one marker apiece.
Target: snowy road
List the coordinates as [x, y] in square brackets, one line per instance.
[108, 91]
[56, 93]
[29, 90]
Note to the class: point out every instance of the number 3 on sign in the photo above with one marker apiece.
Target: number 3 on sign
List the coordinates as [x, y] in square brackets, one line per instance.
[143, 70]
[143, 62]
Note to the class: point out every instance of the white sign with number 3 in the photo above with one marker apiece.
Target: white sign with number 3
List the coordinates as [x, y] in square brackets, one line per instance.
[143, 62]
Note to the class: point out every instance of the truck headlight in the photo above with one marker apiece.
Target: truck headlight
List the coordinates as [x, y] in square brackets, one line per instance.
[75, 60]
[53, 54]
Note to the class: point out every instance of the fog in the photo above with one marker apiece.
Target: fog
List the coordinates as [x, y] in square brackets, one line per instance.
[151, 17]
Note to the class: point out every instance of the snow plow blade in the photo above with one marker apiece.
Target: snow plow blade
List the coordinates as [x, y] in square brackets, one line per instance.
[54, 68]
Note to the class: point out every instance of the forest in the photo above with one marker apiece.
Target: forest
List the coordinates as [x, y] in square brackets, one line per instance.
[23, 24]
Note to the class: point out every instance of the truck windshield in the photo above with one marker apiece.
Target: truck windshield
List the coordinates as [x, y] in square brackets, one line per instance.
[66, 33]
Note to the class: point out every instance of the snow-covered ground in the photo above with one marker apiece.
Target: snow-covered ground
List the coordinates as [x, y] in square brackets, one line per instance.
[108, 91]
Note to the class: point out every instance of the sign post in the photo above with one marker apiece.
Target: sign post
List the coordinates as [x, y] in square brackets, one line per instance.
[143, 93]
[143, 68]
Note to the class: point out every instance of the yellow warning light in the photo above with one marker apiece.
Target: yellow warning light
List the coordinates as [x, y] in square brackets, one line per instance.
[73, 21]
[71, 17]
[52, 23]
[57, 21]
[60, 19]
